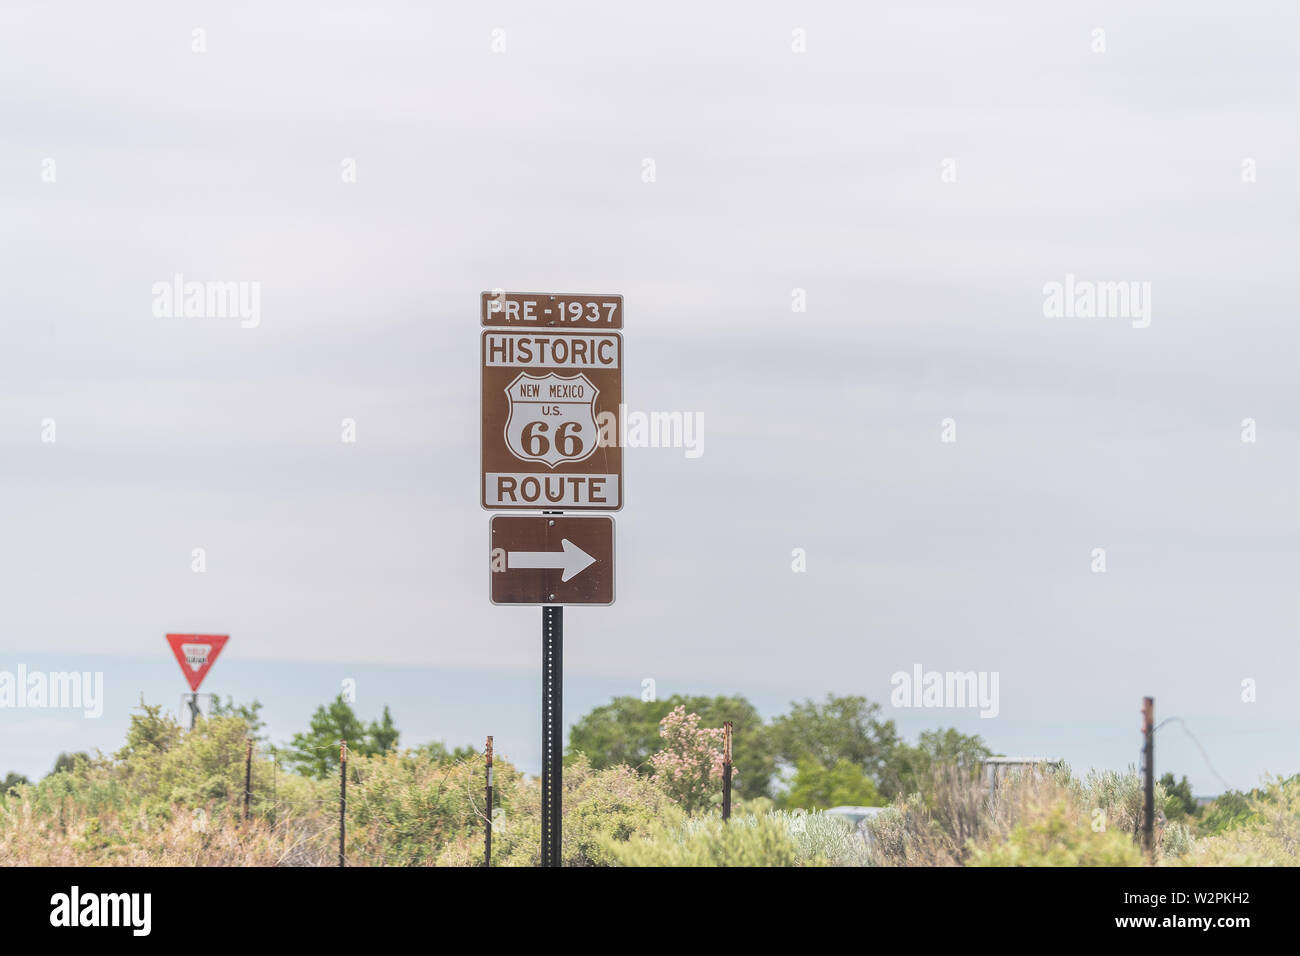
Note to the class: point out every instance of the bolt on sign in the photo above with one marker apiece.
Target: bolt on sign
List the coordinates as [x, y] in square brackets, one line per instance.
[540, 559]
[196, 653]
[551, 396]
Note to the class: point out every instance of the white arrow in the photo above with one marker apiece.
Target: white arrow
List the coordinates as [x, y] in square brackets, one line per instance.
[572, 559]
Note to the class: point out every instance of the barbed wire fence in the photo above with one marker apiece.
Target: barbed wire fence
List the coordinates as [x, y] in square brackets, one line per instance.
[394, 809]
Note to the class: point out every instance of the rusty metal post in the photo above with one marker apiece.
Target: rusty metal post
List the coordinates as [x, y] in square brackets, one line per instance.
[487, 837]
[248, 777]
[1148, 775]
[343, 795]
[726, 770]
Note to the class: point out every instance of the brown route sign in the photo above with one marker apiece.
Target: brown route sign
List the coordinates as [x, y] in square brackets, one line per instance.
[545, 559]
[574, 310]
[550, 410]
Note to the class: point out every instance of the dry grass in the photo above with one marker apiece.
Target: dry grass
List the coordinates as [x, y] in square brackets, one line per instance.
[1034, 818]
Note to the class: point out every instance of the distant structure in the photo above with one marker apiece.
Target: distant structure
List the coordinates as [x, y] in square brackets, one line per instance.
[996, 770]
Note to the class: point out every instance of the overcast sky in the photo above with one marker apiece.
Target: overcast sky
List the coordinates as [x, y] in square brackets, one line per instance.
[774, 170]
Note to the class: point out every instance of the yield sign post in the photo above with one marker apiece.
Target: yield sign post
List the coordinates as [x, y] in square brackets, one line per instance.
[196, 653]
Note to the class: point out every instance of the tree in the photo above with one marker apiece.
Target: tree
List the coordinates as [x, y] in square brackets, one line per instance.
[689, 767]
[151, 732]
[626, 731]
[1179, 803]
[316, 752]
[1227, 811]
[437, 752]
[12, 780]
[251, 714]
[910, 769]
[845, 728]
[816, 787]
[382, 736]
[68, 761]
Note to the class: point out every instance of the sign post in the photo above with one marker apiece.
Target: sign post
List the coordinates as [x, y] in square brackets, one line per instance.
[552, 733]
[552, 399]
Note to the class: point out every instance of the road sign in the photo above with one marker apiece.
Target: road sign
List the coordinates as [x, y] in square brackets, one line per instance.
[550, 409]
[196, 653]
[552, 310]
[545, 559]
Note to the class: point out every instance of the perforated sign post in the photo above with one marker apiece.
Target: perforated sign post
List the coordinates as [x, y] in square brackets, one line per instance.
[552, 398]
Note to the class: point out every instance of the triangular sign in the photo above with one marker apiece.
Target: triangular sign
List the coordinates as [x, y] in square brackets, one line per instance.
[196, 653]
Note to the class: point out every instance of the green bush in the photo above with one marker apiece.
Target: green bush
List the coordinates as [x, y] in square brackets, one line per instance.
[1266, 832]
[823, 840]
[708, 841]
[405, 808]
[1058, 838]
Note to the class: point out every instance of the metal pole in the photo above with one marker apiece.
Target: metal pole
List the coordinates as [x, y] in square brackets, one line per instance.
[343, 795]
[1148, 775]
[552, 731]
[248, 777]
[487, 837]
[726, 770]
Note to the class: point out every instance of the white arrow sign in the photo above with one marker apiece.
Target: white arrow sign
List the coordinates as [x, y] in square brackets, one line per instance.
[572, 559]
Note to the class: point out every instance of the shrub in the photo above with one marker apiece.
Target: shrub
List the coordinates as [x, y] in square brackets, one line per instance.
[1055, 836]
[960, 822]
[823, 840]
[1267, 834]
[708, 841]
[690, 765]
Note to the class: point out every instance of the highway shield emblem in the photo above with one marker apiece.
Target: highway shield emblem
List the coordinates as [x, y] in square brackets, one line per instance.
[552, 418]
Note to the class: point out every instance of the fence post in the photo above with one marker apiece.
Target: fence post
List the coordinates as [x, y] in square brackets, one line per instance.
[1148, 775]
[343, 795]
[726, 770]
[248, 777]
[487, 838]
